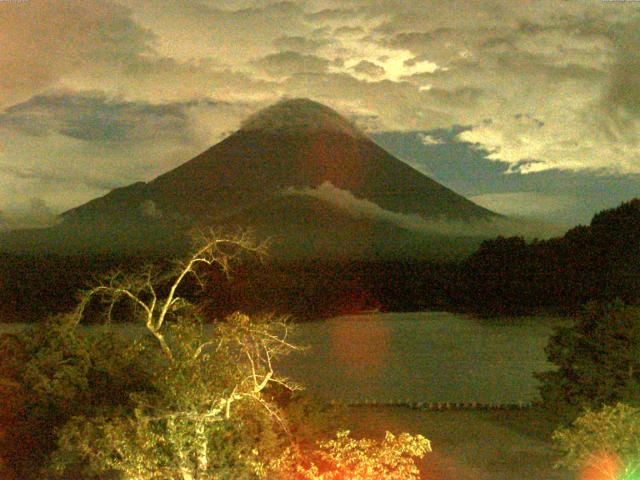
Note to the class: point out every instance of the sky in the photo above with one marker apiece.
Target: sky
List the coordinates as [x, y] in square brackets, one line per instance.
[528, 107]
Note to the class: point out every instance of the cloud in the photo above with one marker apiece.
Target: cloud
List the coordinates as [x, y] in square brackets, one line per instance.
[363, 208]
[44, 40]
[371, 98]
[287, 63]
[96, 118]
[568, 69]
[330, 15]
[467, 170]
[549, 60]
[299, 44]
[429, 139]
[233, 34]
[621, 103]
[299, 115]
[87, 144]
[369, 68]
[35, 214]
[349, 31]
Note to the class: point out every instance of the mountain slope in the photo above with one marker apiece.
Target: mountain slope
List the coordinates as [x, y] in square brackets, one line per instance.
[294, 145]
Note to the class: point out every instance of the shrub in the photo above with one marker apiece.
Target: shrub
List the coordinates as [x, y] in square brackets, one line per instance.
[345, 458]
[606, 441]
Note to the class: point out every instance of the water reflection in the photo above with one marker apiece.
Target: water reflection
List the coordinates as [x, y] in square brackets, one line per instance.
[359, 347]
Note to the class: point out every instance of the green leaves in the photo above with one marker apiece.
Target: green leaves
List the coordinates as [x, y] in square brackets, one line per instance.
[181, 402]
[344, 457]
[607, 440]
[597, 359]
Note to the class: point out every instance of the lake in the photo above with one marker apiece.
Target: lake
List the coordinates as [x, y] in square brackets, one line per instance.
[425, 356]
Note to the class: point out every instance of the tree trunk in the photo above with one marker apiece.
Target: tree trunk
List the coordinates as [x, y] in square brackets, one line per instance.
[203, 450]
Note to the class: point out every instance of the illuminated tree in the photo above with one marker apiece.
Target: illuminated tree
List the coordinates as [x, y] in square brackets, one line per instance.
[605, 442]
[175, 399]
[204, 413]
[345, 458]
[180, 400]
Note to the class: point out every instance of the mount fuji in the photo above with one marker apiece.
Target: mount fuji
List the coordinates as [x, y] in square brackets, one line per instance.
[296, 172]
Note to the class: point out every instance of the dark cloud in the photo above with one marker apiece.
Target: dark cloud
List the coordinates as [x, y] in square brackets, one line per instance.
[288, 63]
[332, 14]
[455, 96]
[523, 165]
[569, 197]
[416, 40]
[299, 44]
[91, 143]
[369, 68]
[349, 31]
[96, 118]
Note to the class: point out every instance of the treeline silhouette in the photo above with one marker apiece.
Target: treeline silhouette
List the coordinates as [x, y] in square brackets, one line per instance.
[505, 276]
[599, 262]
[32, 288]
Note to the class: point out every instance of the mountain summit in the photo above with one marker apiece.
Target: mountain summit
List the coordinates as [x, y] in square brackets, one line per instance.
[300, 116]
[297, 172]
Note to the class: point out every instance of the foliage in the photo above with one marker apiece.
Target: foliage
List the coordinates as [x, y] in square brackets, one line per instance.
[607, 440]
[597, 359]
[54, 371]
[203, 415]
[505, 276]
[179, 401]
[345, 458]
[171, 400]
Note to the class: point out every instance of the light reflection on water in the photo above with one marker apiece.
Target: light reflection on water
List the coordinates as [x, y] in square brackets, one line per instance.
[427, 356]
[430, 356]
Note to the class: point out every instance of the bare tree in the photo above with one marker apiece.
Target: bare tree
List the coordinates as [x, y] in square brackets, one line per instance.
[208, 376]
[140, 288]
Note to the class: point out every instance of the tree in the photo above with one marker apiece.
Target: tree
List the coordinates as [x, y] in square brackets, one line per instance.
[597, 359]
[176, 400]
[181, 401]
[54, 371]
[345, 458]
[198, 417]
[605, 442]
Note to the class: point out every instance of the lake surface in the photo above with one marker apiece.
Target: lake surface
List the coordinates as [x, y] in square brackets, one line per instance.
[426, 356]
[429, 356]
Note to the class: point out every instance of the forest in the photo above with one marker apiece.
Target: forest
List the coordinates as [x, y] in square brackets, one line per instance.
[504, 277]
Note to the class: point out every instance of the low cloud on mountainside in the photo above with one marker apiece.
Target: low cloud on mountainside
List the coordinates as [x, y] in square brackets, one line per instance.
[34, 215]
[526, 204]
[557, 196]
[363, 208]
